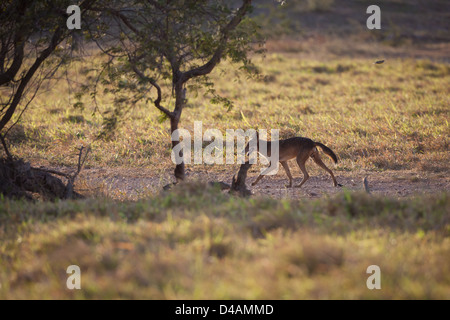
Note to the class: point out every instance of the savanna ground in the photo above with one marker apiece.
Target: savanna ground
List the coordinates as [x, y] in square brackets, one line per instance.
[386, 121]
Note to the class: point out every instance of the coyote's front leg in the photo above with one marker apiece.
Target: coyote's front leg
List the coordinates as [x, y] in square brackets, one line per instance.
[265, 172]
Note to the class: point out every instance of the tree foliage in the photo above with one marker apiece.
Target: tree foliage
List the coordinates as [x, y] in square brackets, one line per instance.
[149, 42]
[179, 41]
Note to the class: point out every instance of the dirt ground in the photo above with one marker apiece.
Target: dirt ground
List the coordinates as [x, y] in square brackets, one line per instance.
[134, 183]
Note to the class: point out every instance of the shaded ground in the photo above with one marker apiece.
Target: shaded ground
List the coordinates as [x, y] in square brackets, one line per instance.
[138, 183]
[415, 29]
[423, 21]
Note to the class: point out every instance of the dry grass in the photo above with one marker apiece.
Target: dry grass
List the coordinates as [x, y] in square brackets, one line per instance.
[375, 117]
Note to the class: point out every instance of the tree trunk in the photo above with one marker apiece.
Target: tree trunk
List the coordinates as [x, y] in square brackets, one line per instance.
[5, 147]
[180, 96]
[238, 185]
[179, 169]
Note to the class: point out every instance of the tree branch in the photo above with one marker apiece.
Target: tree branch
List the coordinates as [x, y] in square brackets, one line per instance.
[81, 162]
[158, 89]
[19, 45]
[56, 39]
[215, 59]
[119, 15]
[9, 74]
[2, 138]
[62, 174]
[156, 4]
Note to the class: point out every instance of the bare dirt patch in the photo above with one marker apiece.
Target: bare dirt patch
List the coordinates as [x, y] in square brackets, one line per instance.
[135, 183]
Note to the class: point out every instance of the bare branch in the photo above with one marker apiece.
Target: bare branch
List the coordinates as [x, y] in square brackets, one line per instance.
[58, 173]
[81, 162]
[71, 182]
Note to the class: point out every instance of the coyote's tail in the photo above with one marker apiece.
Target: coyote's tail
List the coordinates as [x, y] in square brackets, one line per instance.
[327, 151]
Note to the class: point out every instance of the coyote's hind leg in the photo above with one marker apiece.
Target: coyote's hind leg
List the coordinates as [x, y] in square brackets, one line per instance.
[301, 160]
[316, 157]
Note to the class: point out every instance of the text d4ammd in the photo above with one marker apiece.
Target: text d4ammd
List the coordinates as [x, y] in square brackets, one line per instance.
[225, 309]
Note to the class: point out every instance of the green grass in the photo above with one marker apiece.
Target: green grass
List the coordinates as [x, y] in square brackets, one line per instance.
[198, 243]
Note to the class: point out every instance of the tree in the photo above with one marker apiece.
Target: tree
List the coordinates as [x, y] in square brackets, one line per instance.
[182, 41]
[32, 34]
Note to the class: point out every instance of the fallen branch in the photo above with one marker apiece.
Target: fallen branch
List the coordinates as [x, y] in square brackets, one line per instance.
[58, 173]
[19, 179]
[71, 182]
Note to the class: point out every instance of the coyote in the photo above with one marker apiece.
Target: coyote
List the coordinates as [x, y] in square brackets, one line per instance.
[301, 149]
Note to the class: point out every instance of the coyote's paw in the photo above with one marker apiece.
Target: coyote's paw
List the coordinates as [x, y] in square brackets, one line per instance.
[288, 185]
